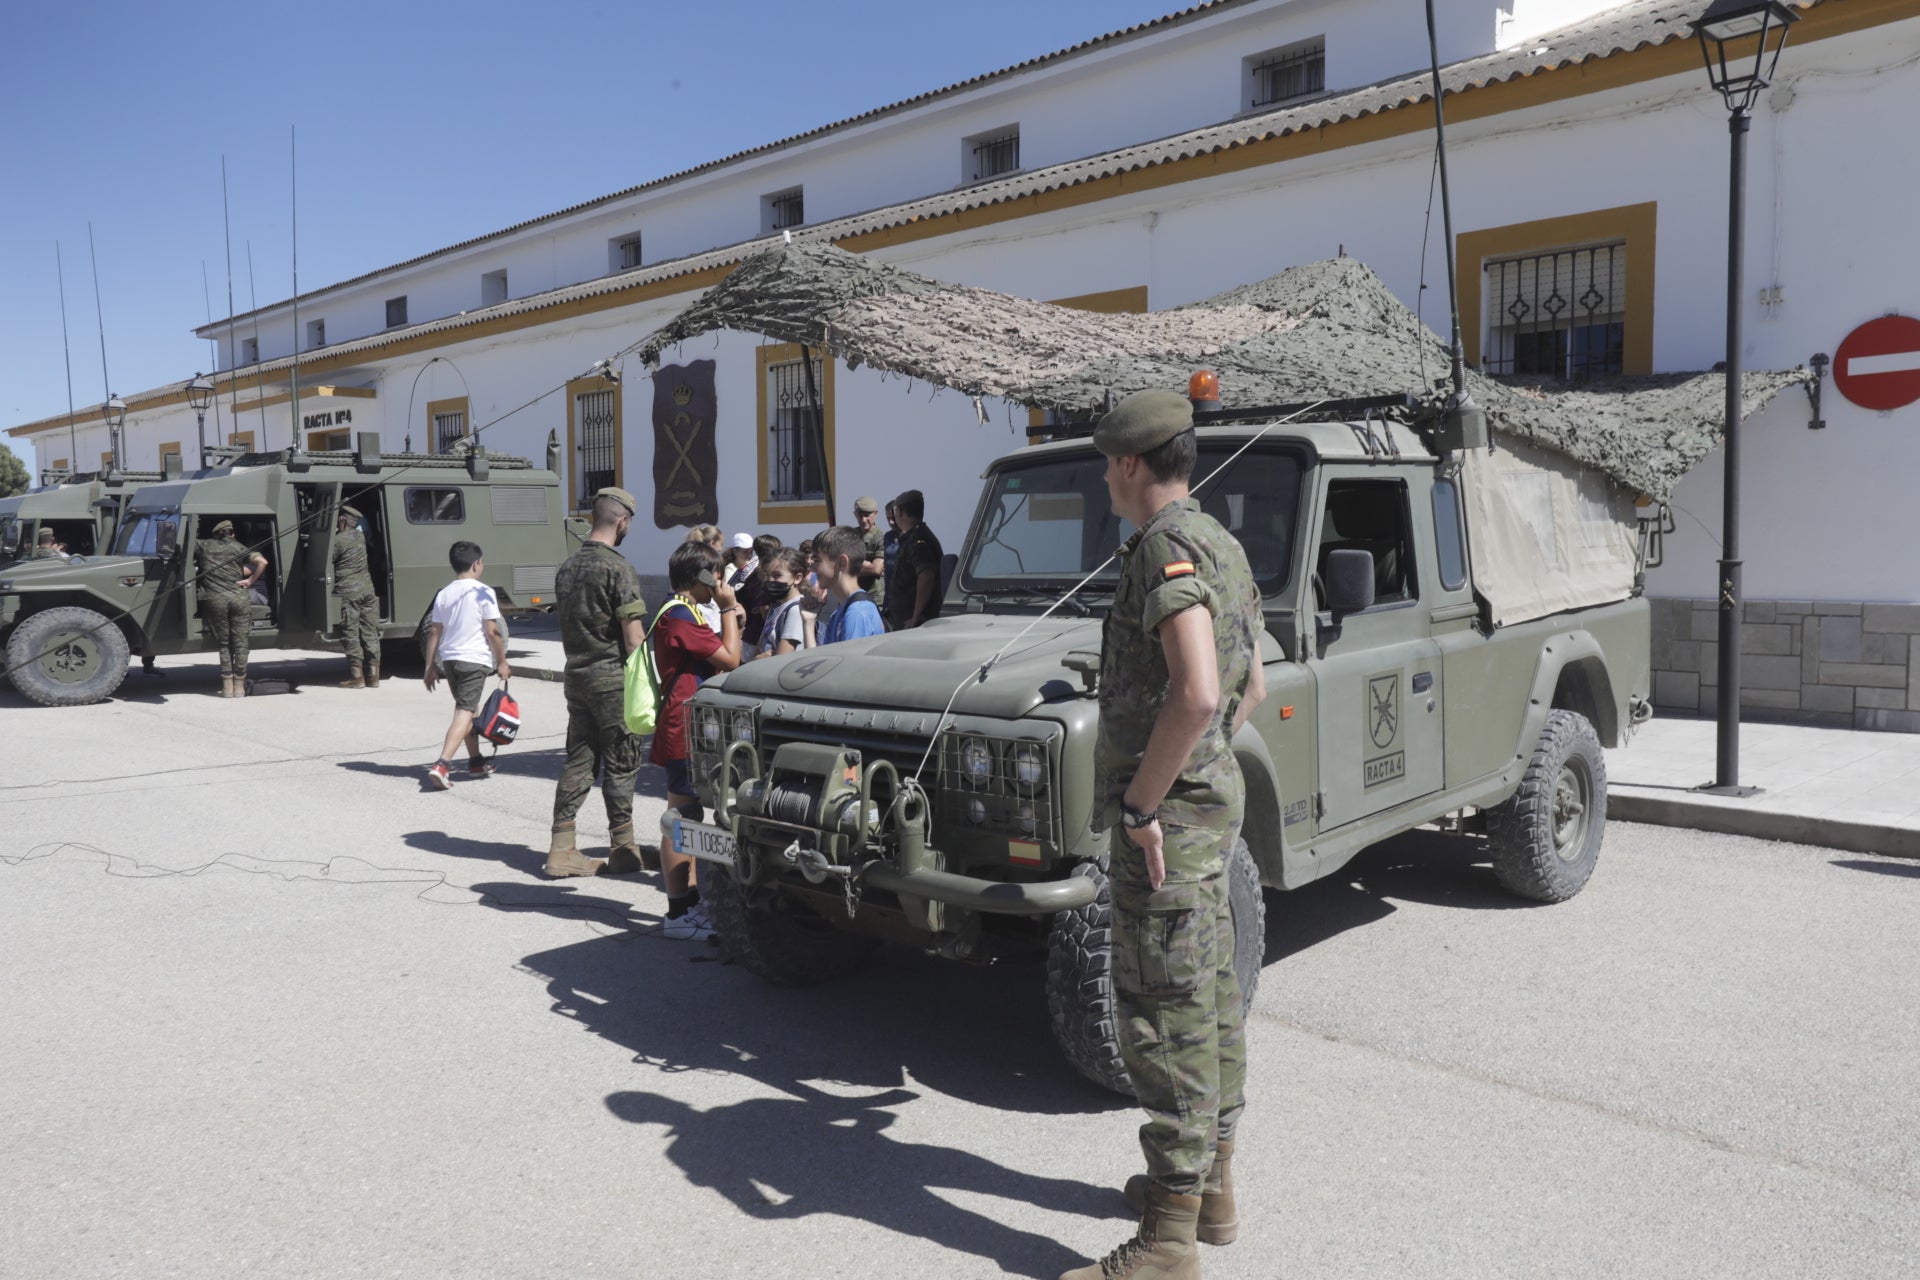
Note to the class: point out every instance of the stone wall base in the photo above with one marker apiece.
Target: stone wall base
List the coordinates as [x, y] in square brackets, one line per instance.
[1839, 664]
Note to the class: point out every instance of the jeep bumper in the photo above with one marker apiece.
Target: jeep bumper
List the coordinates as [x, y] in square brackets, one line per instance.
[992, 897]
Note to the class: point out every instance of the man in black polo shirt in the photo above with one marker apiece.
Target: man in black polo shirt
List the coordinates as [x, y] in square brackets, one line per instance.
[913, 594]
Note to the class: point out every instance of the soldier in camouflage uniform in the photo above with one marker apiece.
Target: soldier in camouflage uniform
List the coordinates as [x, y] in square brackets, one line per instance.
[602, 618]
[359, 606]
[873, 567]
[1178, 676]
[226, 571]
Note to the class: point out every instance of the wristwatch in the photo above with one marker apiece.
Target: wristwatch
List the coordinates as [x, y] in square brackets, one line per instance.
[1134, 819]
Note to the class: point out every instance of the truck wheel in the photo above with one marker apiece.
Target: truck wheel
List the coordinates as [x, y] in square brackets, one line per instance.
[1546, 837]
[67, 657]
[1080, 1000]
[783, 941]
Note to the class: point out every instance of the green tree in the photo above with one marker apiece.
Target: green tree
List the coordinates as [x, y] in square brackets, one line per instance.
[13, 473]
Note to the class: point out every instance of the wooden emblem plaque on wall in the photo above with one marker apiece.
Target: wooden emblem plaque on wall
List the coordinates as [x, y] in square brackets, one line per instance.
[685, 459]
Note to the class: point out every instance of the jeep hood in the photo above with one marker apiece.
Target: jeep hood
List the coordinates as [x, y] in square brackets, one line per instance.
[919, 670]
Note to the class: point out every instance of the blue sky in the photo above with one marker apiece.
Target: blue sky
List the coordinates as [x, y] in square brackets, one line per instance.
[420, 125]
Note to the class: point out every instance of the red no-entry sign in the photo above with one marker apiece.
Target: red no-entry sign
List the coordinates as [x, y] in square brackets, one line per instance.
[1878, 366]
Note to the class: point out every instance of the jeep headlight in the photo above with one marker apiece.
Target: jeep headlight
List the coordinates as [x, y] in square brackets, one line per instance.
[743, 726]
[1027, 764]
[710, 733]
[977, 811]
[976, 762]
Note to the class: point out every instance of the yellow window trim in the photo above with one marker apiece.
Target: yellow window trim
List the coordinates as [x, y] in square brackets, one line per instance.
[242, 440]
[1633, 223]
[570, 469]
[801, 513]
[171, 446]
[453, 404]
[322, 440]
[59, 462]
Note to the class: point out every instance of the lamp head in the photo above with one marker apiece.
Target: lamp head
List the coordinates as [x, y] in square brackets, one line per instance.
[200, 393]
[1724, 30]
[114, 411]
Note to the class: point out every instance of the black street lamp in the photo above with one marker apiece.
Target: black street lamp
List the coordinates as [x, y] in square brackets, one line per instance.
[200, 395]
[115, 413]
[1741, 42]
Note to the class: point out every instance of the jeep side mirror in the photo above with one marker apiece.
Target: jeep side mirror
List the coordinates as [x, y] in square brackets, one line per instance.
[1349, 581]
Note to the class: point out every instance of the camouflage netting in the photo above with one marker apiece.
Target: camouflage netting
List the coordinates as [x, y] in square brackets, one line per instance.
[1323, 330]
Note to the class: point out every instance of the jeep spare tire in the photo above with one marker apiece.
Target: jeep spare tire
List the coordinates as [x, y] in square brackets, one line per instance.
[67, 657]
[1545, 838]
[1080, 1002]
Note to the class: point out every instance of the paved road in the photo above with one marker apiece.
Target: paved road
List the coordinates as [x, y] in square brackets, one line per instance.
[269, 1009]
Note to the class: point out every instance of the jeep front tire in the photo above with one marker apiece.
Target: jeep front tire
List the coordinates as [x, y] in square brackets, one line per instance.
[1080, 1001]
[67, 657]
[1546, 837]
[782, 940]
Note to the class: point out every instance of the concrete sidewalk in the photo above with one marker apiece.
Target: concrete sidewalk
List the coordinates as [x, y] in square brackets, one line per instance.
[1850, 789]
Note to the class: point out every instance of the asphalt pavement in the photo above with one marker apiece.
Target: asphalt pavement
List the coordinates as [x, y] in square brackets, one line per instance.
[272, 1009]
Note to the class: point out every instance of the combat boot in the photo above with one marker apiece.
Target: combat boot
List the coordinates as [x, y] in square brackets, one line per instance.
[239, 686]
[226, 685]
[1219, 1215]
[373, 674]
[624, 857]
[1164, 1249]
[563, 859]
[354, 679]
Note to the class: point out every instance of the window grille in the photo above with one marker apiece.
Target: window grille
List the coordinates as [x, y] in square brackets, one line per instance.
[794, 471]
[316, 333]
[629, 253]
[788, 209]
[396, 312]
[996, 154]
[1560, 314]
[249, 351]
[593, 411]
[1290, 73]
[447, 428]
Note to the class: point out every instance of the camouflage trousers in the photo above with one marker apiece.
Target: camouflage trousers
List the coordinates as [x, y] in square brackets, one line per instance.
[1182, 1028]
[597, 736]
[229, 620]
[360, 627]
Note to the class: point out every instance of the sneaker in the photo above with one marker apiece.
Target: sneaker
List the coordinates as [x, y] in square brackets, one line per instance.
[437, 778]
[694, 926]
[479, 769]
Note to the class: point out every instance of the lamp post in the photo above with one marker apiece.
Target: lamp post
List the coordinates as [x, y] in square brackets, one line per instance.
[200, 395]
[1739, 73]
[115, 413]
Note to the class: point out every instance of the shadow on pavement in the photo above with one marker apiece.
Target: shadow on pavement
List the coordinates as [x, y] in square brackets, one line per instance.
[564, 901]
[903, 1028]
[1906, 869]
[520, 857]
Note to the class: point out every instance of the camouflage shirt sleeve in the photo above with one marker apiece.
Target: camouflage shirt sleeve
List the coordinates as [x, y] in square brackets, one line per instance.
[1170, 569]
[623, 594]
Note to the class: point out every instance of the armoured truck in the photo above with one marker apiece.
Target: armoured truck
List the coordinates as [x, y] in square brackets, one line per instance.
[1451, 637]
[69, 627]
[83, 510]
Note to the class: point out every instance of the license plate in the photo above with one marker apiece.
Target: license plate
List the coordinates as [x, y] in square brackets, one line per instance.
[698, 840]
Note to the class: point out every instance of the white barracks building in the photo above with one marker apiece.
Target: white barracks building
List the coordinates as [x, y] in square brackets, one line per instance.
[1162, 164]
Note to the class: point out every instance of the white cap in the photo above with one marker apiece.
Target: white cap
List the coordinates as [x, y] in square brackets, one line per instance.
[742, 542]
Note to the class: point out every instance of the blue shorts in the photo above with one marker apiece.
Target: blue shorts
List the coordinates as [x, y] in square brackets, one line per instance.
[679, 778]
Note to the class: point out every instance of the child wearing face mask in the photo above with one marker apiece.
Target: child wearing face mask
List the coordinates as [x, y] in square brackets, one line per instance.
[785, 628]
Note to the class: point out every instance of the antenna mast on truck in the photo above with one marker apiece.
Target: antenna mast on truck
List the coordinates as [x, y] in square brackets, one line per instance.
[1464, 423]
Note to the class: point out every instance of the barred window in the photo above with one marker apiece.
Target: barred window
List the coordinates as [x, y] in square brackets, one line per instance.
[1279, 75]
[995, 153]
[594, 411]
[629, 250]
[1559, 314]
[794, 470]
[396, 312]
[447, 428]
[784, 209]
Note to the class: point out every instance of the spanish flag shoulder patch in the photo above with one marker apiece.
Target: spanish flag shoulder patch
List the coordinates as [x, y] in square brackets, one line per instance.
[1177, 569]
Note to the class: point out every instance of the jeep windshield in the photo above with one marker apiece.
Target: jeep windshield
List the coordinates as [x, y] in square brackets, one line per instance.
[9, 538]
[150, 534]
[1048, 522]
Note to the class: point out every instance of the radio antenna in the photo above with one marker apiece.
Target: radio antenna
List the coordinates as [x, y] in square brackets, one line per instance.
[113, 433]
[66, 351]
[233, 351]
[1465, 425]
[213, 342]
[293, 173]
[253, 305]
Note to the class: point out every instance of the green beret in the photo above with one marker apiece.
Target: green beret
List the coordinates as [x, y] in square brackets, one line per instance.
[865, 507]
[350, 513]
[224, 526]
[1142, 423]
[622, 497]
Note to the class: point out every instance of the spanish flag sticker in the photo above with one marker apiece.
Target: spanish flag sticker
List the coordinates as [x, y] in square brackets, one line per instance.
[1178, 569]
[1023, 853]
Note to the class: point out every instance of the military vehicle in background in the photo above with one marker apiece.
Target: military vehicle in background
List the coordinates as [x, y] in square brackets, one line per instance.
[1451, 636]
[69, 627]
[83, 509]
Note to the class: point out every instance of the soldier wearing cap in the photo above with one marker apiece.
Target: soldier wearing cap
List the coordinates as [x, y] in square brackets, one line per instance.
[226, 571]
[359, 606]
[602, 619]
[873, 564]
[1179, 674]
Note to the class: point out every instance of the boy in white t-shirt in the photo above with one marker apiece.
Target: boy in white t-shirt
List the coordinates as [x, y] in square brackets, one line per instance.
[466, 642]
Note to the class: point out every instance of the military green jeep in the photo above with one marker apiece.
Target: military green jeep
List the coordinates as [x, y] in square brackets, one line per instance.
[69, 627]
[83, 510]
[1449, 636]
